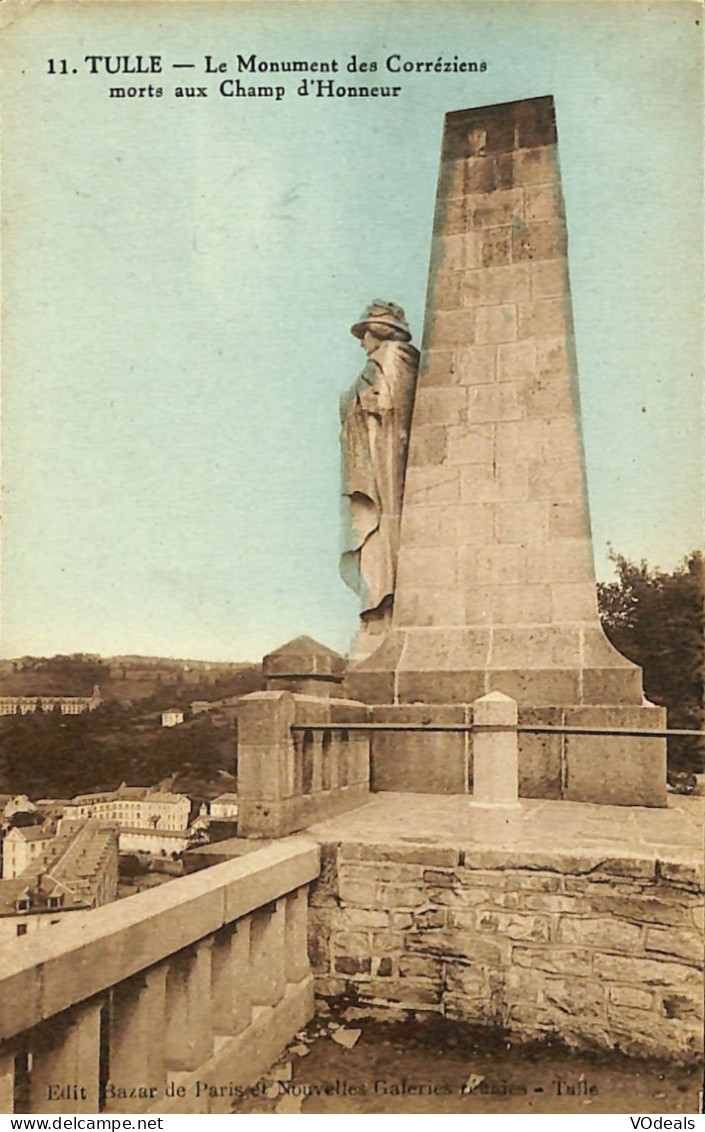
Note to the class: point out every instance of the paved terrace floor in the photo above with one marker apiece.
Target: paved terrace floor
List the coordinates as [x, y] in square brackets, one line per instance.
[436, 1067]
[536, 827]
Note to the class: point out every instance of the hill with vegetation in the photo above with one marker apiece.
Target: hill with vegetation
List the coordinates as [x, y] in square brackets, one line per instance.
[54, 755]
[154, 682]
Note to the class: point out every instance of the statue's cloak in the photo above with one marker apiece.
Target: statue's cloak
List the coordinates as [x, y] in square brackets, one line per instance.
[376, 416]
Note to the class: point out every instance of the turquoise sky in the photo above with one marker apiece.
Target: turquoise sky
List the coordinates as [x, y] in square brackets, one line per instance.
[180, 278]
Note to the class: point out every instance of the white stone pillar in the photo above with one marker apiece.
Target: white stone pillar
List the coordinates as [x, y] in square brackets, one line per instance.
[137, 1033]
[495, 750]
[65, 1062]
[189, 1040]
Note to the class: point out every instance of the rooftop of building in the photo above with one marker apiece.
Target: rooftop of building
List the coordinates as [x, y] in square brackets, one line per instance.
[63, 697]
[128, 794]
[32, 832]
[164, 796]
[70, 865]
[148, 832]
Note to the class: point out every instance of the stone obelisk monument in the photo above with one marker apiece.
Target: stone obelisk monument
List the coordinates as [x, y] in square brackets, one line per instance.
[495, 585]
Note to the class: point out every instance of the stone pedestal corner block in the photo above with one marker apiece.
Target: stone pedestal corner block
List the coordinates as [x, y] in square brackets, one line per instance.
[265, 747]
[305, 666]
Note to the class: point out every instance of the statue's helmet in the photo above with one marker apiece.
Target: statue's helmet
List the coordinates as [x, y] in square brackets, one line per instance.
[387, 317]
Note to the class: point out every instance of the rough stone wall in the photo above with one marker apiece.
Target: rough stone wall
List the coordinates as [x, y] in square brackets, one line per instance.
[597, 952]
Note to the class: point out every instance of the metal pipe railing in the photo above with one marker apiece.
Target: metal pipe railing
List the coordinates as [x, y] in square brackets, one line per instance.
[464, 728]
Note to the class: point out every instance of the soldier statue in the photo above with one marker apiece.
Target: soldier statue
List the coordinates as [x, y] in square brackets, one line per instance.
[376, 416]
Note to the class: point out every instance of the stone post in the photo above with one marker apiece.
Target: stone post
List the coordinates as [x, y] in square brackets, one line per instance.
[317, 778]
[495, 751]
[267, 941]
[230, 979]
[327, 762]
[65, 1062]
[265, 763]
[136, 1051]
[296, 936]
[188, 1008]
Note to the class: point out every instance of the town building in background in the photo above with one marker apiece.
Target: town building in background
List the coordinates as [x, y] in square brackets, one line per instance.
[76, 871]
[23, 845]
[224, 807]
[137, 807]
[13, 804]
[172, 717]
[224, 711]
[155, 842]
[68, 705]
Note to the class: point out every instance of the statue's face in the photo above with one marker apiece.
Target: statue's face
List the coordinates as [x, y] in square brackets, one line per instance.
[373, 336]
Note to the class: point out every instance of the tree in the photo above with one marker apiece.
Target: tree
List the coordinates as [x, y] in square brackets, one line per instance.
[656, 619]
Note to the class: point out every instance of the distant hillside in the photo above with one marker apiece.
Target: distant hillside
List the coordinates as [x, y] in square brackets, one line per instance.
[174, 664]
[52, 676]
[128, 679]
[59, 756]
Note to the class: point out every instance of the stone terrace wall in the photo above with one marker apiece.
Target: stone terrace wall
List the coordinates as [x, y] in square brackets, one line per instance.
[598, 952]
[205, 979]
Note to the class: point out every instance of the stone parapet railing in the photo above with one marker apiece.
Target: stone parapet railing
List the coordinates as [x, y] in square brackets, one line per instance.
[290, 778]
[166, 1001]
[553, 763]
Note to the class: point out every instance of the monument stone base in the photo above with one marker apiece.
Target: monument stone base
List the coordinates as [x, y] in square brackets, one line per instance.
[537, 665]
[612, 770]
[495, 580]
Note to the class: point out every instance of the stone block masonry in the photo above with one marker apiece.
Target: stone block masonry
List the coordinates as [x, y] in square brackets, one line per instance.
[495, 589]
[579, 768]
[496, 584]
[287, 778]
[598, 951]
